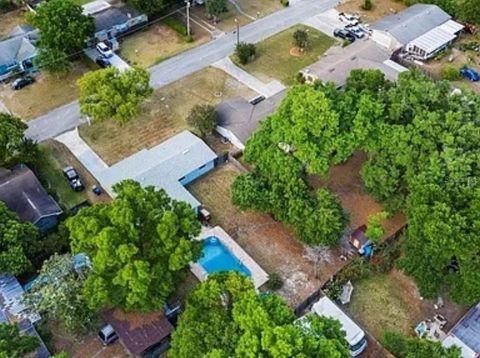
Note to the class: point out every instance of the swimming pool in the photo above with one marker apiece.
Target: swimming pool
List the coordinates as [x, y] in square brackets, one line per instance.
[217, 258]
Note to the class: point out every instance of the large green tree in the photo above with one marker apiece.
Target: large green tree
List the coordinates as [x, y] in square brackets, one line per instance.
[204, 118]
[226, 317]
[58, 294]
[138, 244]
[16, 242]
[65, 31]
[113, 94]
[150, 7]
[216, 7]
[14, 148]
[415, 347]
[13, 344]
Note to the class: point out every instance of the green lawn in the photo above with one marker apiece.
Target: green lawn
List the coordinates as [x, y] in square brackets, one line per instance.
[275, 61]
[49, 171]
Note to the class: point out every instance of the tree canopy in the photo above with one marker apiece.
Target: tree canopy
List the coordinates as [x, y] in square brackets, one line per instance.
[150, 7]
[216, 7]
[14, 148]
[138, 245]
[65, 31]
[58, 294]
[112, 94]
[231, 319]
[203, 117]
[415, 347]
[16, 242]
[13, 344]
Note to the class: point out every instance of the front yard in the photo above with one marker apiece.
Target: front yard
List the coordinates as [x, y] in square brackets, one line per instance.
[276, 60]
[268, 242]
[163, 115]
[381, 8]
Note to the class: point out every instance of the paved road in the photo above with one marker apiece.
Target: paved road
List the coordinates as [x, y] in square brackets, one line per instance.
[68, 116]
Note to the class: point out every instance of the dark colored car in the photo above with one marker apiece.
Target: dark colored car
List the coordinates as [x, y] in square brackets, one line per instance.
[344, 34]
[470, 74]
[102, 62]
[19, 83]
[73, 178]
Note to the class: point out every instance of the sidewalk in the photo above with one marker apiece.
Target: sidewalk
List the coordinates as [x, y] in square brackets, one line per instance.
[265, 89]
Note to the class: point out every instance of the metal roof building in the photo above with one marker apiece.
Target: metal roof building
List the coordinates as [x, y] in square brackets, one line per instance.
[466, 334]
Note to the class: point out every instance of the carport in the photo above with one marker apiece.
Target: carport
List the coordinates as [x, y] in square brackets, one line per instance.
[430, 43]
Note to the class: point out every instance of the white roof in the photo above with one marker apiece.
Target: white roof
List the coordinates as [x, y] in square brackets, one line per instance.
[451, 27]
[95, 7]
[325, 307]
[454, 341]
[433, 40]
[162, 166]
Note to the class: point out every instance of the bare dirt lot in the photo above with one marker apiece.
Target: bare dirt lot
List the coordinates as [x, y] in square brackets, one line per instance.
[345, 181]
[9, 20]
[380, 9]
[163, 115]
[271, 244]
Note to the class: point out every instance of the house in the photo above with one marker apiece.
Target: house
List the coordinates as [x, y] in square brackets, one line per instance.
[336, 64]
[12, 310]
[238, 118]
[112, 20]
[22, 193]
[466, 334]
[170, 165]
[16, 53]
[141, 334]
[421, 30]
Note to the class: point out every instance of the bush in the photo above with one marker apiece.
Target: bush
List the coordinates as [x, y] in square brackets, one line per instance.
[176, 25]
[285, 3]
[450, 73]
[367, 5]
[203, 117]
[300, 78]
[300, 39]
[275, 281]
[245, 52]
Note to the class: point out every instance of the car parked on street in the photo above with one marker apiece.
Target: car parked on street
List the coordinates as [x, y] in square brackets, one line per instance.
[104, 50]
[102, 62]
[344, 34]
[73, 178]
[19, 83]
[470, 74]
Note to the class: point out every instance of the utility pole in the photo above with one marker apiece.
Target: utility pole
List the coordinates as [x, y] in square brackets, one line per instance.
[238, 31]
[188, 18]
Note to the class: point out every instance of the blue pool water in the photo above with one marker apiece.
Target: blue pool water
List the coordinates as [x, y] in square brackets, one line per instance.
[217, 258]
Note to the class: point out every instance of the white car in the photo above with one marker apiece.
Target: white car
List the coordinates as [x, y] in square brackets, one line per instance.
[104, 50]
[352, 20]
[356, 31]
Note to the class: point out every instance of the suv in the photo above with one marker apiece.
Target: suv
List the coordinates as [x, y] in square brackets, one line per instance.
[19, 83]
[73, 178]
[470, 74]
[107, 335]
[355, 31]
[104, 50]
[344, 34]
[350, 19]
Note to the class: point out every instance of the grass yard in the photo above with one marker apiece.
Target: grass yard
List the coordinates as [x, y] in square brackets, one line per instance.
[157, 43]
[163, 115]
[48, 91]
[271, 244]
[274, 60]
[54, 157]
[381, 8]
[9, 20]
[392, 302]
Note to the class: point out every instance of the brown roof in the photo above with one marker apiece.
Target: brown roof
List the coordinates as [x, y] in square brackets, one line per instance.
[139, 331]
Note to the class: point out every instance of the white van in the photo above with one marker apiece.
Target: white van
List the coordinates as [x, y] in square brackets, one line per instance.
[355, 335]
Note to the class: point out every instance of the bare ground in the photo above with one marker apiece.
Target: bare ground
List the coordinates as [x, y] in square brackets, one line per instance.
[9, 20]
[381, 8]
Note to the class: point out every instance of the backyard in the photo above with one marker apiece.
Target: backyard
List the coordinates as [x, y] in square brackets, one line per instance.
[381, 8]
[276, 59]
[268, 242]
[9, 20]
[48, 91]
[163, 115]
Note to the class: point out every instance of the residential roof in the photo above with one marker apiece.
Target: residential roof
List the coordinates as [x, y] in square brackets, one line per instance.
[433, 40]
[467, 329]
[21, 30]
[242, 118]
[336, 64]
[412, 22]
[139, 331]
[22, 193]
[162, 166]
[15, 50]
[113, 16]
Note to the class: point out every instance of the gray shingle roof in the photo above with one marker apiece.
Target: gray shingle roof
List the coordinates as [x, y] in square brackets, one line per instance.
[412, 22]
[15, 50]
[162, 166]
[22, 193]
[113, 16]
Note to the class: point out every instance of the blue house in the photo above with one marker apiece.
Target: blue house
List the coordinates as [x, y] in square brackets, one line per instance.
[21, 191]
[16, 53]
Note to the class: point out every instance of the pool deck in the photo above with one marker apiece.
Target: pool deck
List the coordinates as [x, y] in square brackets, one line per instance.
[259, 276]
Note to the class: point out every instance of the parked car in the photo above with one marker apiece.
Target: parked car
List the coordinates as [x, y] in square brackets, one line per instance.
[104, 50]
[102, 62]
[107, 335]
[19, 83]
[350, 19]
[355, 31]
[73, 178]
[343, 34]
[470, 74]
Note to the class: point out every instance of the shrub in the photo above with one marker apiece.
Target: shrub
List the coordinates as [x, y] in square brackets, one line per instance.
[245, 52]
[450, 73]
[300, 78]
[285, 3]
[367, 5]
[300, 39]
[203, 117]
[275, 281]
[176, 25]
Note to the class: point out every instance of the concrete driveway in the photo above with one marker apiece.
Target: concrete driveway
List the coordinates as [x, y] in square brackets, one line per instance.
[325, 22]
[116, 60]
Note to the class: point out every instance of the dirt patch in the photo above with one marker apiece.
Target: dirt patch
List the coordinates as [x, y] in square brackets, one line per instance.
[271, 244]
[346, 182]
[381, 8]
[297, 52]
[9, 20]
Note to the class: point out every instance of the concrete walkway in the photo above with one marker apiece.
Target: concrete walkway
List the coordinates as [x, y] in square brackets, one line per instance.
[83, 152]
[265, 89]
